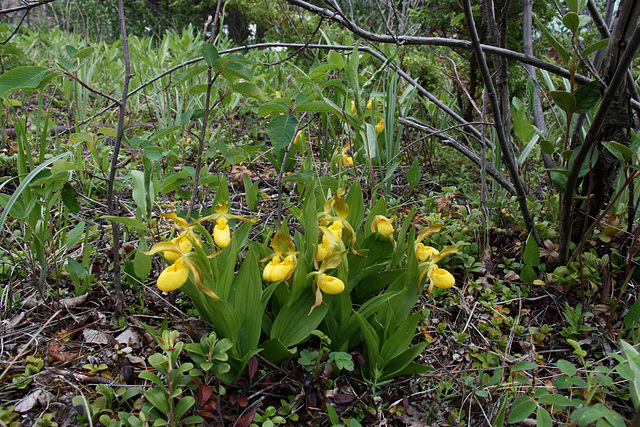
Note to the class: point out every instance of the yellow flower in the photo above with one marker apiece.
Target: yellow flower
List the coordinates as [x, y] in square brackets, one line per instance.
[423, 252]
[336, 229]
[347, 160]
[173, 276]
[183, 242]
[221, 233]
[383, 225]
[330, 285]
[279, 269]
[299, 138]
[380, 126]
[440, 278]
[369, 104]
[283, 260]
[353, 107]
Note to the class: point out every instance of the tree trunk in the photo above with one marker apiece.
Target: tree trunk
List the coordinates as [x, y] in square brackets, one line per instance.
[599, 185]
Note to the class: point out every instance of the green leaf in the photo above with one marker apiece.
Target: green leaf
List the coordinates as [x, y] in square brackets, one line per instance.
[183, 406]
[21, 78]
[413, 174]
[633, 315]
[271, 107]
[559, 47]
[587, 415]
[587, 97]
[142, 262]
[281, 130]
[522, 407]
[499, 421]
[245, 299]
[620, 151]
[457, 19]
[547, 146]
[335, 59]
[521, 126]
[247, 88]
[83, 53]
[543, 418]
[24, 184]
[183, 77]
[129, 222]
[401, 338]
[315, 106]
[75, 235]
[557, 400]
[333, 415]
[70, 198]
[571, 20]
[76, 269]
[210, 54]
[523, 366]
[139, 193]
[595, 46]
[566, 367]
[565, 100]
[158, 399]
[531, 254]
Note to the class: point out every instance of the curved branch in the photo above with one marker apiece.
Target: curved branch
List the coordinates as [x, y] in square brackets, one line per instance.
[466, 151]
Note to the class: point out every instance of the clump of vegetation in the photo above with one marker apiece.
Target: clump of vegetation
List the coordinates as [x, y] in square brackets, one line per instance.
[385, 232]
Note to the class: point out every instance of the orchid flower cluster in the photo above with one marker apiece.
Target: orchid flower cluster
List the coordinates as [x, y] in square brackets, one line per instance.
[180, 250]
[429, 258]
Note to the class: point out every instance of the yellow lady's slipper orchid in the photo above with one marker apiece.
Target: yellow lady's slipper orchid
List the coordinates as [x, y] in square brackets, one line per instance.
[183, 243]
[279, 269]
[423, 252]
[336, 229]
[330, 285]
[221, 233]
[283, 260]
[440, 278]
[347, 161]
[380, 126]
[173, 276]
[383, 225]
[369, 104]
[298, 139]
[353, 106]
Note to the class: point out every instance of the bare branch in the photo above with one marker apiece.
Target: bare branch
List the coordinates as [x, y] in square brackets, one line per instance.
[27, 6]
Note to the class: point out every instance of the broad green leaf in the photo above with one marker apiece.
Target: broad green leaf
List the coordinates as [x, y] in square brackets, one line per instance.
[556, 400]
[401, 338]
[21, 78]
[522, 407]
[245, 299]
[142, 262]
[403, 363]
[565, 100]
[164, 132]
[521, 126]
[75, 235]
[620, 151]
[566, 367]
[70, 198]
[183, 406]
[231, 70]
[531, 254]
[76, 268]
[587, 415]
[547, 146]
[281, 130]
[271, 107]
[247, 88]
[413, 174]
[571, 20]
[139, 193]
[595, 46]
[158, 399]
[524, 366]
[294, 324]
[587, 97]
[210, 54]
[183, 77]
[633, 315]
[335, 59]
[275, 352]
[543, 418]
[83, 53]
[499, 420]
[316, 106]
[129, 222]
